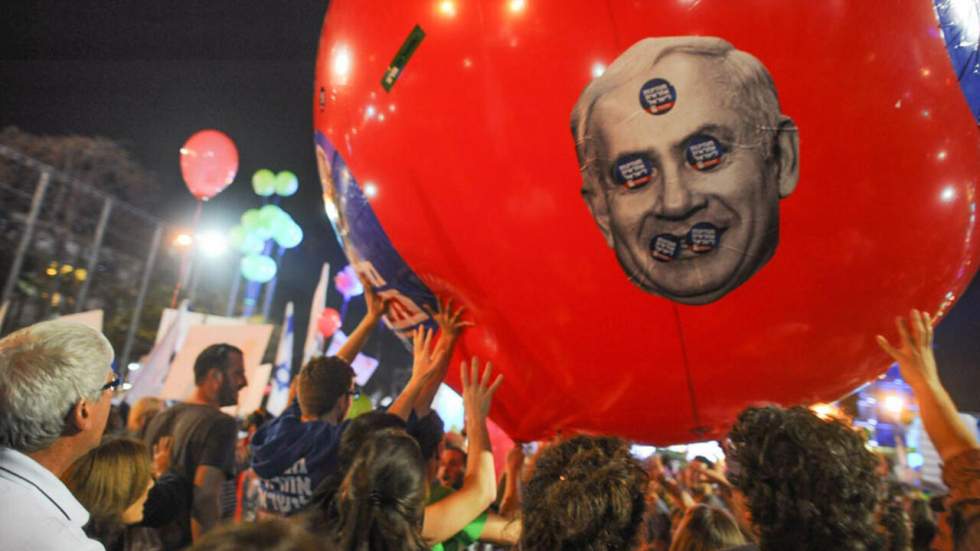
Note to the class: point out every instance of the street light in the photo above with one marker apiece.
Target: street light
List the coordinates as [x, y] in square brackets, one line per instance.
[183, 240]
[212, 244]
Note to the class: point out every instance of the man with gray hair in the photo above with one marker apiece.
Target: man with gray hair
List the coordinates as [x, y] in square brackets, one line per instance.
[56, 382]
[684, 156]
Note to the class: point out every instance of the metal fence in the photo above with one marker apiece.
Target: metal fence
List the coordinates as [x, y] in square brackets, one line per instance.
[67, 247]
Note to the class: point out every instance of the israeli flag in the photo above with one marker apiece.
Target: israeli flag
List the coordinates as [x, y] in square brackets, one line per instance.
[282, 372]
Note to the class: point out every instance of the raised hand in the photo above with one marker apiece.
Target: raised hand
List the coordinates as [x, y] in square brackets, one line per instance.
[377, 306]
[426, 362]
[450, 323]
[478, 390]
[914, 352]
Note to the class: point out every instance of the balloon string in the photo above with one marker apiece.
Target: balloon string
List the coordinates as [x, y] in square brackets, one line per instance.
[186, 260]
[687, 371]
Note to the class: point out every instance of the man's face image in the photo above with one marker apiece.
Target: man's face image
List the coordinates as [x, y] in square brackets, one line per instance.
[688, 198]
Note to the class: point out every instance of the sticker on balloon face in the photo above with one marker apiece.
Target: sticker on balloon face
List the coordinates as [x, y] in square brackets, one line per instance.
[657, 96]
[633, 171]
[703, 237]
[704, 152]
[665, 247]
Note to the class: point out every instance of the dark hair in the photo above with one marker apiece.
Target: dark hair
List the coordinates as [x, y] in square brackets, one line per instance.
[706, 528]
[322, 512]
[924, 525]
[212, 357]
[428, 432]
[322, 381]
[264, 535]
[382, 498]
[584, 493]
[809, 483]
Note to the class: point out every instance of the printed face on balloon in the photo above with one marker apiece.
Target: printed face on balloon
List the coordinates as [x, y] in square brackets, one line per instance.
[685, 156]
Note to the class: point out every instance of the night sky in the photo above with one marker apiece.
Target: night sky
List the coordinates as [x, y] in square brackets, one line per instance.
[149, 74]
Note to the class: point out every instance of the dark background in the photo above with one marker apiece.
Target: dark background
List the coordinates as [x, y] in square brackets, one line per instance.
[149, 74]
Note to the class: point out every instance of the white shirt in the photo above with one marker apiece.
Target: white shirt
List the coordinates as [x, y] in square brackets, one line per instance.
[37, 511]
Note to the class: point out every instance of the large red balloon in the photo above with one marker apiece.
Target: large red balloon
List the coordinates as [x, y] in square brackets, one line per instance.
[449, 168]
[208, 162]
[329, 322]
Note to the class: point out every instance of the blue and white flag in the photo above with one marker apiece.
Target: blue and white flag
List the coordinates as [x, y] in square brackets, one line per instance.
[313, 345]
[282, 372]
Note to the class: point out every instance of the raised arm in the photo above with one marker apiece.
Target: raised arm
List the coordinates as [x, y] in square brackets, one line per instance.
[918, 366]
[425, 369]
[450, 514]
[376, 307]
[451, 326]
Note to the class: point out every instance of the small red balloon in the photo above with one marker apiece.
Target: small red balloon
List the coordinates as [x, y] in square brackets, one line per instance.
[329, 322]
[208, 162]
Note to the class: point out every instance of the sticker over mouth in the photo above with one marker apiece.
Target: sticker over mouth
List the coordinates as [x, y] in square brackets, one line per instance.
[702, 238]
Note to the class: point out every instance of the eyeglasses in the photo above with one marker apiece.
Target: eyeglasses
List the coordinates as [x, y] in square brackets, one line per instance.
[114, 384]
[354, 392]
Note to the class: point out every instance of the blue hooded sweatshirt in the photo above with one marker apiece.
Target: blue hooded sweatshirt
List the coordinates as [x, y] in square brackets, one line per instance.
[291, 458]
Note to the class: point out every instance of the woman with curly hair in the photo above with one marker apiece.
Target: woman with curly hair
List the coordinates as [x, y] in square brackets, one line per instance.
[586, 493]
[809, 483]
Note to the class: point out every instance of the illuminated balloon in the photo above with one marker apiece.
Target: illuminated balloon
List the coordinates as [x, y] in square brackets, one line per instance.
[329, 322]
[251, 219]
[253, 243]
[286, 183]
[272, 216]
[676, 245]
[208, 162]
[258, 268]
[236, 236]
[288, 235]
[264, 182]
[347, 283]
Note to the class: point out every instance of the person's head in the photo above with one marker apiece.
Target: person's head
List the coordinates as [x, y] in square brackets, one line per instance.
[112, 480]
[322, 509]
[55, 383]
[684, 156]
[219, 373]
[264, 535]
[706, 528]
[452, 463]
[924, 527]
[382, 497]
[428, 432]
[585, 493]
[142, 413]
[326, 387]
[808, 483]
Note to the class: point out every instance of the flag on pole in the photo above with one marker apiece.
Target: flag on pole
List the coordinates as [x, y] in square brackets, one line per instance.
[149, 379]
[313, 346]
[282, 372]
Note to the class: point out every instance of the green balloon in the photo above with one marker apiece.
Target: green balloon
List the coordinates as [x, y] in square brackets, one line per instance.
[286, 183]
[252, 244]
[264, 182]
[289, 235]
[250, 219]
[258, 268]
[270, 215]
[360, 406]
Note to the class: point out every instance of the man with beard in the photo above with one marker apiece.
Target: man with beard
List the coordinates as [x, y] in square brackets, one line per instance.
[203, 440]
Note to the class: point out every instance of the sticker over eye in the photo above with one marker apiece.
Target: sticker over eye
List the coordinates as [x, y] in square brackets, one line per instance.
[633, 171]
[657, 96]
[704, 152]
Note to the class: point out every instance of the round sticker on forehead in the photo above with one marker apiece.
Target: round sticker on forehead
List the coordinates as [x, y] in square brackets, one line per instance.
[633, 171]
[657, 96]
[704, 152]
[665, 247]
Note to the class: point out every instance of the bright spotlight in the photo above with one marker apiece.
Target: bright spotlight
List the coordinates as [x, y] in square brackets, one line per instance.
[893, 403]
[341, 64]
[212, 243]
[134, 366]
[183, 240]
[598, 69]
[516, 6]
[370, 190]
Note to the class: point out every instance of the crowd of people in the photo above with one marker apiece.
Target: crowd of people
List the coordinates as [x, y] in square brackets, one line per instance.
[312, 478]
